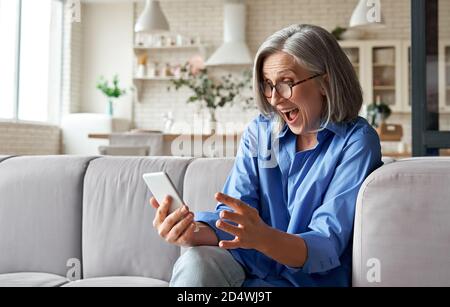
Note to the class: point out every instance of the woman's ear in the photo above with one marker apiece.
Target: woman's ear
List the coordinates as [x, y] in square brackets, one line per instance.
[326, 80]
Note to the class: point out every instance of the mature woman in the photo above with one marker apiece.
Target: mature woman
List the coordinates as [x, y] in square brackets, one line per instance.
[285, 215]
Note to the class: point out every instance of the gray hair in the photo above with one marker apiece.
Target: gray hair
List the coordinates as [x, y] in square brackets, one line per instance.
[316, 50]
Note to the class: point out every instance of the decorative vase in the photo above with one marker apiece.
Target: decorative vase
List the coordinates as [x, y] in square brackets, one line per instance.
[110, 109]
[211, 123]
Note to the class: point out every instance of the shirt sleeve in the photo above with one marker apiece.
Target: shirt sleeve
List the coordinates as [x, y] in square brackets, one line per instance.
[242, 182]
[331, 226]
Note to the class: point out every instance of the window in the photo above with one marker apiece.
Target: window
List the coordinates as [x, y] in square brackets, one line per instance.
[31, 33]
[430, 73]
[8, 22]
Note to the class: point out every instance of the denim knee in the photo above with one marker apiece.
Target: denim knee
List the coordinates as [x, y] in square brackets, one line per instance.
[207, 266]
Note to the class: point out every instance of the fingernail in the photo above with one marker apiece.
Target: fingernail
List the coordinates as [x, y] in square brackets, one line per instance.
[184, 209]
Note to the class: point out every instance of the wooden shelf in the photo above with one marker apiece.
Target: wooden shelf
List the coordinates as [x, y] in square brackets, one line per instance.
[154, 78]
[184, 47]
[403, 155]
[169, 137]
[445, 152]
[383, 65]
[397, 155]
[384, 88]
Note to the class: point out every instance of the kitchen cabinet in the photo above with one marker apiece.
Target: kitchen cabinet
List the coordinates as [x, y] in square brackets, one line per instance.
[384, 70]
[444, 76]
[378, 65]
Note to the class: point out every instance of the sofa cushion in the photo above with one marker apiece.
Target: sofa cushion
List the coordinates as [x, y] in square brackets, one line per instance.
[401, 235]
[3, 158]
[204, 177]
[118, 281]
[387, 160]
[40, 213]
[31, 279]
[118, 235]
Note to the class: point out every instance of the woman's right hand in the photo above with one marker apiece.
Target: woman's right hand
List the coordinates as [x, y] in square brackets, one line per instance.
[178, 227]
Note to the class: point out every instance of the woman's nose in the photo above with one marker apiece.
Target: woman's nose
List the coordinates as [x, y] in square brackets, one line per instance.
[276, 98]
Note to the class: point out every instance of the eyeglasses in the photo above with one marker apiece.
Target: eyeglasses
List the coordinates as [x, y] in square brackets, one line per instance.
[284, 89]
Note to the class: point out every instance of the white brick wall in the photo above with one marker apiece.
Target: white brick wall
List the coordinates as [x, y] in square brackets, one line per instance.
[205, 18]
[29, 139]
[71, 80]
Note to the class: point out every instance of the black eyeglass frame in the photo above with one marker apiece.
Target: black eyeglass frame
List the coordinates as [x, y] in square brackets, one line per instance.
[274, 86]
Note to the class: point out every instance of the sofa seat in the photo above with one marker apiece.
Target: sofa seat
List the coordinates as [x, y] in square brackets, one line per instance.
[31, 279]
[118, 281]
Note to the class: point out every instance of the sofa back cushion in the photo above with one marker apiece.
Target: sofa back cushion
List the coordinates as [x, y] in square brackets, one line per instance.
[118, 235]
[402, 231]
[204, 177]
[40, 213]
[2, 158]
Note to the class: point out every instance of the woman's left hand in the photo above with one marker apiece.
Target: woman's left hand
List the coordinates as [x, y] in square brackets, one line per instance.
[251, 229]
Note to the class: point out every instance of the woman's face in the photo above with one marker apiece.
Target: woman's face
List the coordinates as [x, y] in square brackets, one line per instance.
[302, 112]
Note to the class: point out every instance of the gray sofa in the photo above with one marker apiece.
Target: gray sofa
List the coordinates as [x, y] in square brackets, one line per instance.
[60, 215]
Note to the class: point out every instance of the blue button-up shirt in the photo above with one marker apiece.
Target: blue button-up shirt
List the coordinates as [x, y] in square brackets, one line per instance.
[311, 194]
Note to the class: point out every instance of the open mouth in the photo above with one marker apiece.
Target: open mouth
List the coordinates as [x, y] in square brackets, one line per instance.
[291, 115]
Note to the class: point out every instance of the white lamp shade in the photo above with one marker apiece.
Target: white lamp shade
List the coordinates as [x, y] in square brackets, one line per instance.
[366, 14]
[152, 19]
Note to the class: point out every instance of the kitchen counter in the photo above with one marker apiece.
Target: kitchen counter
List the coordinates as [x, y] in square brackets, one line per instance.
[195, 145]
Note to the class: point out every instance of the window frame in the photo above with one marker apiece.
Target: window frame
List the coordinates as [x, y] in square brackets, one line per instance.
[59, 72]
[426, 136]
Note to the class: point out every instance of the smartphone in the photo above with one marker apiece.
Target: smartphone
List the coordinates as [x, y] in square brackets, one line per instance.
[161, 186]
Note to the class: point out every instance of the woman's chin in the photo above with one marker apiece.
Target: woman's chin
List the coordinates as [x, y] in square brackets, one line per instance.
[297, 129]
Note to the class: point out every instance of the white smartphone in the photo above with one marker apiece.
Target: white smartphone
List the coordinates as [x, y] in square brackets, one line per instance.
[161, 186]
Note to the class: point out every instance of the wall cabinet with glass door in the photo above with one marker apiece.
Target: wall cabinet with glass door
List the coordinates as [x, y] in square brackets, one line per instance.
[444, 76]
[357, 54]
[385, 73]
[382, 71]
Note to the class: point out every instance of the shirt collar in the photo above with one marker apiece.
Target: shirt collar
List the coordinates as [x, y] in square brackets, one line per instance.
[283, 131]
[337, 128]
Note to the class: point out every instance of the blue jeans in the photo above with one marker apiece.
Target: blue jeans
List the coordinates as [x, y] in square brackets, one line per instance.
[207, 266]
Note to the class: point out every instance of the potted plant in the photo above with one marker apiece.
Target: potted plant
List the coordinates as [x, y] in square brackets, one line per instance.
[378, 112]
[111, 92]
[337, 32]
[210, 93]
